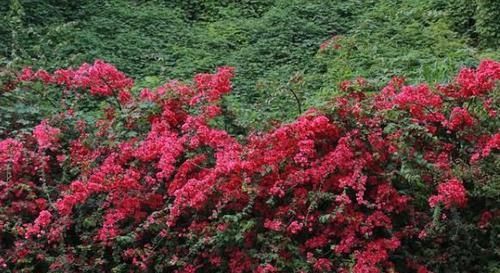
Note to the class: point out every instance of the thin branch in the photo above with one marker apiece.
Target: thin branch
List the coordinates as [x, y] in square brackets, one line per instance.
[299, 104]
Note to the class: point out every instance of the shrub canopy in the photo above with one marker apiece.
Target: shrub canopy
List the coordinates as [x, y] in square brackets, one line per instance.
[111, 178]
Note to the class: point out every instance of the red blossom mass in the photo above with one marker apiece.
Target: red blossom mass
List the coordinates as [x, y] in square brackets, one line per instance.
[354, 188]
[46, 136]
[450, 193]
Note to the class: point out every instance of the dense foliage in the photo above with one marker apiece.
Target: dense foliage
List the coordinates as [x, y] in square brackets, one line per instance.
[119, 179]
[273, 44]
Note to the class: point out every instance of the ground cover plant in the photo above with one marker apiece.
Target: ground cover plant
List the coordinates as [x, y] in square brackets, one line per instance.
[101, 176]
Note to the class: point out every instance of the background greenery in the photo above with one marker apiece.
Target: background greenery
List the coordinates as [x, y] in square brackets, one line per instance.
[274, 44]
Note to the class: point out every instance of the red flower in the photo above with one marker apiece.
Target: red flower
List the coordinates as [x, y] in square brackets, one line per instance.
[294, 227]
[42, 221]
[46, 136]
[459, 119]
[267, 268]
[323, 265]
[273, 224]
[450, 193]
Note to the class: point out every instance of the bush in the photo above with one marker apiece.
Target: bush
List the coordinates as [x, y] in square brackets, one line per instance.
[487, 26]
[122, 180]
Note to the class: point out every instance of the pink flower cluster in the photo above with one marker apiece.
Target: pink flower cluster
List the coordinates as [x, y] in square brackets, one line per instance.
[41, 222]
[460, 118]
[100, 78]
[451, 193]
[46, 135]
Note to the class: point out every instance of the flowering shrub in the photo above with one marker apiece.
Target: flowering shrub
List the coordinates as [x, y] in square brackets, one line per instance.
[405, 180]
